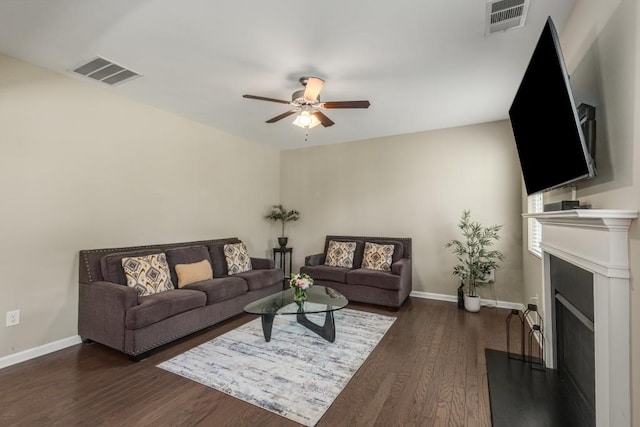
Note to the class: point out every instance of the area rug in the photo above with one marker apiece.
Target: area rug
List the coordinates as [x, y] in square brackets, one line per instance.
[297, 374]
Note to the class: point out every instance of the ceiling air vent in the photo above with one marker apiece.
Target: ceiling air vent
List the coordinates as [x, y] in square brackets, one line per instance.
[503, 15]
[105, 71]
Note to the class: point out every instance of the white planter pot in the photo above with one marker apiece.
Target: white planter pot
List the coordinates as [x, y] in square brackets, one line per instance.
[472, 304]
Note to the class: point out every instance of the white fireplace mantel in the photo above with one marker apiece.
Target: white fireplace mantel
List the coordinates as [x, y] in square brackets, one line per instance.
[596, 240]
[588, 218]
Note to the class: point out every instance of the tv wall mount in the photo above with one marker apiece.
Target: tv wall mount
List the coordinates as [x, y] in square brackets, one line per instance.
[587, 116]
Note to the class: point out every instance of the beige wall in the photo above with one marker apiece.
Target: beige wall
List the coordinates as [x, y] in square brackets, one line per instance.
[412, 185]
[82, 168]
[601, 46]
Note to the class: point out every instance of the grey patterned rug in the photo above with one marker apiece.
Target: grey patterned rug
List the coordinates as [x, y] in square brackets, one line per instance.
[297, 375]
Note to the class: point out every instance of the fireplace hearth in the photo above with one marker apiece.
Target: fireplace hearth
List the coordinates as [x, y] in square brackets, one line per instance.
[525, 397]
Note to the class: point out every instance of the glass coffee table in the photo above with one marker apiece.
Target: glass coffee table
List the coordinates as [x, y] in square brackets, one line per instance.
[320, 299]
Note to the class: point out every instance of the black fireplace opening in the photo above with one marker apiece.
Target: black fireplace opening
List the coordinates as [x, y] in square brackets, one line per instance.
[572, 288]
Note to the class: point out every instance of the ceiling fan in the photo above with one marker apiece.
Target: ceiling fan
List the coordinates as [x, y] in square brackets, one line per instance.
[307, 104]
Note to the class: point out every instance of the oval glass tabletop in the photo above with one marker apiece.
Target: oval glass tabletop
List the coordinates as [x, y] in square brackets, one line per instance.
[320, 299]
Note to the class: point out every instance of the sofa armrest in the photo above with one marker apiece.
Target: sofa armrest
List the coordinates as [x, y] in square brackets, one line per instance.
[101, 312]
[316, 259]
[402, 268]
[399, 266]
[262, 263]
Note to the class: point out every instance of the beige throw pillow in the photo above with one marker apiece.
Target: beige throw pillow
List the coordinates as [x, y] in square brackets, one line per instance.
[192, 273]
[340, 254]
[238, 260]
[147, 274]
[377, 257]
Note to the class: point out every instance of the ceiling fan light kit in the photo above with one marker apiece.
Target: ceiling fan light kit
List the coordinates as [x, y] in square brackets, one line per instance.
[306, 120]
[307, 105]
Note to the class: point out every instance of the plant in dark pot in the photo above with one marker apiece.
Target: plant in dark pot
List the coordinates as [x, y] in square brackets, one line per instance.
[279, 213]
[476, 259]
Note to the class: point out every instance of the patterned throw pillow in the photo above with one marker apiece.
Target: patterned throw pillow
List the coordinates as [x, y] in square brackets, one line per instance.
[238, 260]
[193, 273]
[148, 274]
[340, 254]
[377, 257]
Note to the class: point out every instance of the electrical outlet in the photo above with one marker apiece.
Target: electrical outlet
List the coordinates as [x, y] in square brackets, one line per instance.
[13, 317]
[490, 277]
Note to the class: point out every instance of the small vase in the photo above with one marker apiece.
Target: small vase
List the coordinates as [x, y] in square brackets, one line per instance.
[299, 294]
[282, 241]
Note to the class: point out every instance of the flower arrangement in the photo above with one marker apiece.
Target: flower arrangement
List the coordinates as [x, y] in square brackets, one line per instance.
[300, 283]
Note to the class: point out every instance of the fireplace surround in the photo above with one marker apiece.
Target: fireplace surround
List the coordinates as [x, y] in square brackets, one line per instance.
[572, 315]
[596, 241]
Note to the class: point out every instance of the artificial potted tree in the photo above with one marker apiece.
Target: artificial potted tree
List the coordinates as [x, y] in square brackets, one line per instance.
[476, 259]
[279, 213]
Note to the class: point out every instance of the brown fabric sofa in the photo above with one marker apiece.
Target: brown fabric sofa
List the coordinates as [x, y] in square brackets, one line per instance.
[364, 285]
[113, 314]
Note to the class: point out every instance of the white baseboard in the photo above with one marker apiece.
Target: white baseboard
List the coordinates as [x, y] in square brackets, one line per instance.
[454, 298]
[429, 295]
[32, 353]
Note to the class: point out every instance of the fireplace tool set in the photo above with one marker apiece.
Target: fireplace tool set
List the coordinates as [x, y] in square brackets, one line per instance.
[536, 333]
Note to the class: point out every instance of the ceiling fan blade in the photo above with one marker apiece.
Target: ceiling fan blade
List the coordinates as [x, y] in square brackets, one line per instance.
[262, 98]
[312, 88]
[324, 120]
[282, 116]
[346, 104]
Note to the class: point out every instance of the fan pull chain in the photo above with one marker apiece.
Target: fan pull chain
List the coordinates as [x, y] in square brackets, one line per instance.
[306, 136]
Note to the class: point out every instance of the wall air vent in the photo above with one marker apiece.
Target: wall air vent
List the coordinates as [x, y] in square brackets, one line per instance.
[106, 71]
[503, 15]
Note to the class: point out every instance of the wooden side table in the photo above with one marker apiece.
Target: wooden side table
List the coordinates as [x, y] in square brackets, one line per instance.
[283, 252]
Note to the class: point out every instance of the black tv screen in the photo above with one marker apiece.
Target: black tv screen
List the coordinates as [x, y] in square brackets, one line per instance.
[545, 121]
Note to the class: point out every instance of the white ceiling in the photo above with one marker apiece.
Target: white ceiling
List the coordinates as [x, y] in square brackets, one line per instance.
[423, 64]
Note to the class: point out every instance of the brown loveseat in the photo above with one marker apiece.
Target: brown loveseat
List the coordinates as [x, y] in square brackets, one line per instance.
[365, 285]
[113, 314]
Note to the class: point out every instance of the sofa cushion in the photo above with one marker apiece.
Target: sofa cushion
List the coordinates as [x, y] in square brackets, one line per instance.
[325, 272]
[157, 307]
[220, 288]
[377, 257]
[185, 255]
[237, 258]
[373, 278]
[398, 247]
[259, 279]
[111, 265]
[340, 254]
[216, 252]
[194, 272]
[357, 256]
[147, 274]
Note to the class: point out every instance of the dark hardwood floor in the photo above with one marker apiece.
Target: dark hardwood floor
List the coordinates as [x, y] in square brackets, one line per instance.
[429, 370]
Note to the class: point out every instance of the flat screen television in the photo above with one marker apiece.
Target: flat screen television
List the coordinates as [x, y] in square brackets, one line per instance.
[546, 125]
